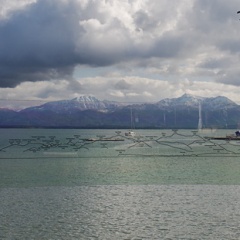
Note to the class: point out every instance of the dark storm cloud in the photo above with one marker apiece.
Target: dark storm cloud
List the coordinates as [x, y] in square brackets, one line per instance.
[49, 38]
[37, 44]
[41, 43]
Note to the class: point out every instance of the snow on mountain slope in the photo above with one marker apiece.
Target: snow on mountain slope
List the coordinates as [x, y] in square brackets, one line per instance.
[77, 104]
[188, 100]
[91, 103]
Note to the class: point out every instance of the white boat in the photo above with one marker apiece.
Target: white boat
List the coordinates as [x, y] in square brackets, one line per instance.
[130, 133]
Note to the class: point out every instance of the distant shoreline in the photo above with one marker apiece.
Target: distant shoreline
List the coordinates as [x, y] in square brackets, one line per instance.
[97, 127]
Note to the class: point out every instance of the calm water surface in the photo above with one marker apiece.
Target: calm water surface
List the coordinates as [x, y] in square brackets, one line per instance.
[99, 184]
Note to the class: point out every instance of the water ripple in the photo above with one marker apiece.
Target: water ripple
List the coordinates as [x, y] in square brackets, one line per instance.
[121, 212]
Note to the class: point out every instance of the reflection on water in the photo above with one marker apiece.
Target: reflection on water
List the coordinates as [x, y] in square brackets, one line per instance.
[118, 171]
[121, 212]
[99, 184]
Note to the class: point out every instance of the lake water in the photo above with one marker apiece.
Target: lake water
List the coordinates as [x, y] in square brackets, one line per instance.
[100, 184]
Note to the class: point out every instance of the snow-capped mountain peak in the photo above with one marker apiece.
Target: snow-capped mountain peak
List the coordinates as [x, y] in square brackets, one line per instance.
[82, 103]
[184, 100]
[86, 99]
[188, 100]
[88, 111]
[88, 102]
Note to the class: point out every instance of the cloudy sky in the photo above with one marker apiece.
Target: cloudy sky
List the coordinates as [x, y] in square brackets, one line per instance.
[123, 50]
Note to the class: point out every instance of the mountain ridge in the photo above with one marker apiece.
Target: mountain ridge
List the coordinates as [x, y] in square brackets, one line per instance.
[92, 103]
[89, 112]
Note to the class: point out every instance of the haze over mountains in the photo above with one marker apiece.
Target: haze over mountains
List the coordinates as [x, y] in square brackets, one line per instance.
[89, 112]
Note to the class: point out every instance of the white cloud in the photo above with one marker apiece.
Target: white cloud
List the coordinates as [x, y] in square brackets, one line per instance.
[9, 7]
[148, 48]
[131, 89]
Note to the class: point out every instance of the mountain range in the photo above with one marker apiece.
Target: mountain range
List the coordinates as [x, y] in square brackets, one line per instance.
[89, 112]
